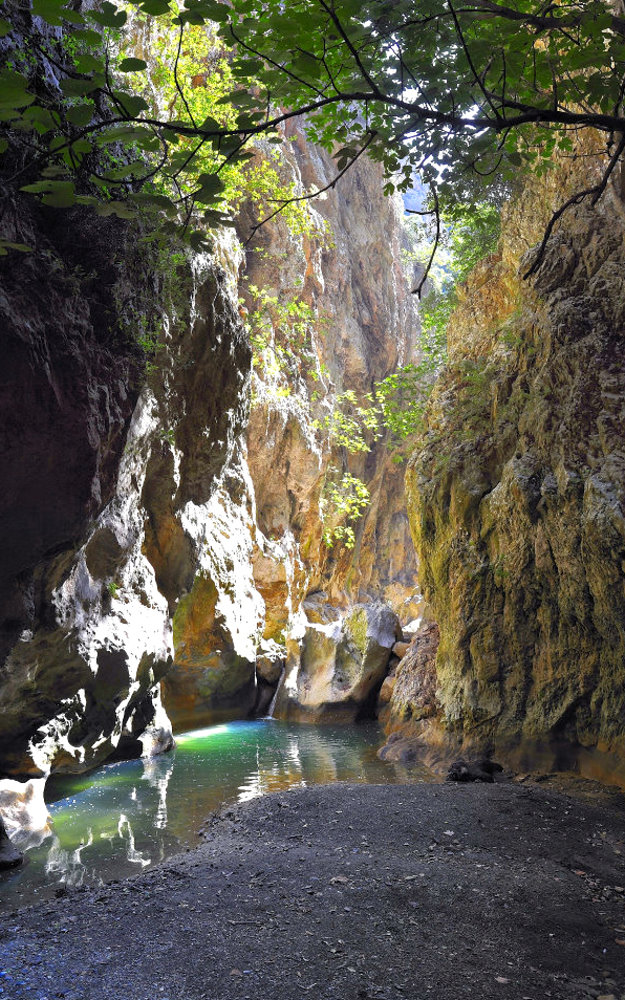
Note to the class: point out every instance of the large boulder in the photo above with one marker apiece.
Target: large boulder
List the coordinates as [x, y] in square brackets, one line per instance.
[335, 669]
[24, 818]
[9, 855]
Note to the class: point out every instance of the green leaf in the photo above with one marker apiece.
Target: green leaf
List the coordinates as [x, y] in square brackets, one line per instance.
[81, 146]
[49, 10]
[108, 15]
[5, 28]
[79, 88]
[132, 104]
[239, 98]
[86, 63]
[119, 208]
[148, 200]
[13, 93]
[58, 194]
[80, 114]
[6, 245]
[209, 9]
[211, 186]
[132, 66]
[123, 133]
[88, 36]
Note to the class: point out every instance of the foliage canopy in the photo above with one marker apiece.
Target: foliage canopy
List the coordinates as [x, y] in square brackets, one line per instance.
[463, 93]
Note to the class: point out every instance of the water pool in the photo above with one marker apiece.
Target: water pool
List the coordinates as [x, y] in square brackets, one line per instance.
[123, 817]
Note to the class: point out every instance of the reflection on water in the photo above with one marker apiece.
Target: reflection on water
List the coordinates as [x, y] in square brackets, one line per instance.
[121, 818]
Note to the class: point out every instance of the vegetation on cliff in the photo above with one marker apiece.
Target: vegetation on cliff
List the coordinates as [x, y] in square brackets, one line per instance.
[462, 95]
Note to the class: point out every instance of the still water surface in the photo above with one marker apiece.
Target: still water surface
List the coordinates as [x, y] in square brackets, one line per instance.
[123, 817]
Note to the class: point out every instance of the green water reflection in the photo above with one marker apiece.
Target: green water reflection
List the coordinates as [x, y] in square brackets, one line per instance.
[123, 817]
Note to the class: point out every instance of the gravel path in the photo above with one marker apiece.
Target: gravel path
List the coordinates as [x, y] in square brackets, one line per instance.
[344, 892]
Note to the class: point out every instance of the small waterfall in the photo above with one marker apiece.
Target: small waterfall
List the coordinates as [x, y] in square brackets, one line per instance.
[272, 704]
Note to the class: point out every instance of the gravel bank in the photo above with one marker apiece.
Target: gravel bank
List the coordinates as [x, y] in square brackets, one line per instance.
[351, 892]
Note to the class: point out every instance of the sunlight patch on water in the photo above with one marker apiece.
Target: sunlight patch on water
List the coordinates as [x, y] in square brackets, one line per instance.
[201, 734]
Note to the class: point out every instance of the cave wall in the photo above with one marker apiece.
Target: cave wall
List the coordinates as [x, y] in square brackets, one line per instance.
[517, 488]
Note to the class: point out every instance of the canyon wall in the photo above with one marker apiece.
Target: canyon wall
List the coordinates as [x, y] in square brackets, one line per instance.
[164, 530]
[516, 493]
[345, 272]
[93, 477]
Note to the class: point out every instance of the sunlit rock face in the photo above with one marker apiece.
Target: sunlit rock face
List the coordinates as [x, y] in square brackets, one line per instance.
[333, 670]
[160, 542]
[264, 554]
[368, 326]
[516, 494]
[82, 681]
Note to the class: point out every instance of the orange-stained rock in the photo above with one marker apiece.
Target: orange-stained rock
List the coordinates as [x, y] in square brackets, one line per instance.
[516, 490]
[400, 649]
[209, 680]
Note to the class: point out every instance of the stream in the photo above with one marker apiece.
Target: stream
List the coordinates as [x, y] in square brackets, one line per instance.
[120, 818]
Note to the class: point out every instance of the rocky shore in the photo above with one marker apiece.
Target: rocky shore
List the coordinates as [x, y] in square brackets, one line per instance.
[506, 891]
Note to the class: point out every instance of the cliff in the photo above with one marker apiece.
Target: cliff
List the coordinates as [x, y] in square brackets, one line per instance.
[516, 491]
[91, 475]
[163, 525]
[329, 311]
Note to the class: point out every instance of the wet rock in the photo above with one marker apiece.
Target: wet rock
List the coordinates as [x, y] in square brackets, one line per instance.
[516, 489]
[477, 770]
[402, 747]
[23, 812]
[209, 680]
[269, 670]
[10, 857]
[264, 697]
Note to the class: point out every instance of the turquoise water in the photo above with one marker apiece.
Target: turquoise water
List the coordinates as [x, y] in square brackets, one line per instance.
[123, 817]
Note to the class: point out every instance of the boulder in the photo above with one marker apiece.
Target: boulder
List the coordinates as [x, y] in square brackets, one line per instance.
[9, 855]
[476, 770]
[414, 693]
[269, 670]
[23, 816]
[333, 671]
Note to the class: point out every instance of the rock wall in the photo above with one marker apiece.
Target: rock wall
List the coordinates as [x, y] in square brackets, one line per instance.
[162, 538]
[346, 267]
[516, 493]
[87, 609]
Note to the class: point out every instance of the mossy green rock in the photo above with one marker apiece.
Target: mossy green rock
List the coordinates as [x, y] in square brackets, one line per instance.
[517, 495]
[333, 670]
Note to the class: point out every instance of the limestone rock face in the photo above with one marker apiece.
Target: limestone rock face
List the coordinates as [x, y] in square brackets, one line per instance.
[82, 681]
[367, 325]
[333, 670]
[159, 541]
[517, 493]
[269, 568]
[209, 680]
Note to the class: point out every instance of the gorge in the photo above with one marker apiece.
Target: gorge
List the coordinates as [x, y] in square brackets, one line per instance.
[246, 486]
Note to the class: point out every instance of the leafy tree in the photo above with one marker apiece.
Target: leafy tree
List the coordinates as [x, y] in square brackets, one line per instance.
[464, 93]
